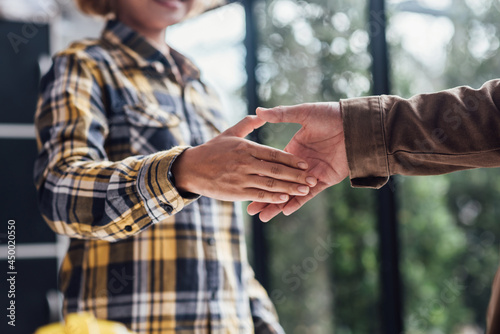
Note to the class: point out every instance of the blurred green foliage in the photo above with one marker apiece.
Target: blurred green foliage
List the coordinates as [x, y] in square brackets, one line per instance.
[315, 51]
[449, 224]
[324, 258]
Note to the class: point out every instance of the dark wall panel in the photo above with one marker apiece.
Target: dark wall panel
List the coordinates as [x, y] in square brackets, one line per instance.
[21, 45]
[18, 194]
[33, 280]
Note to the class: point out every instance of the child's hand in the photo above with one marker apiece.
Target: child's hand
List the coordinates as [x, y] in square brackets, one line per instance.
[232, 168]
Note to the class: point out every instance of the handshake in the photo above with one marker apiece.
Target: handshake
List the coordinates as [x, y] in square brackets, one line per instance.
[380, 136]
[231, 168]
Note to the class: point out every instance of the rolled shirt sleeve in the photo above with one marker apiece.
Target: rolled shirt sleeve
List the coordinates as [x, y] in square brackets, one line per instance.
[428, 134]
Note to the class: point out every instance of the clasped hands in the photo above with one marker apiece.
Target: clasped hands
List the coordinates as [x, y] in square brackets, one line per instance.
[231, 168]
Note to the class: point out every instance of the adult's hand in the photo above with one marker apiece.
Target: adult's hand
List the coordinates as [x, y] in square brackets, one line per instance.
[320, 142]
[231, 168]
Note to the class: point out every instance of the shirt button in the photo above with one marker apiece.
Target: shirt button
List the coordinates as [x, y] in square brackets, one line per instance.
[167, 207]
[128, 228]
[211, 241]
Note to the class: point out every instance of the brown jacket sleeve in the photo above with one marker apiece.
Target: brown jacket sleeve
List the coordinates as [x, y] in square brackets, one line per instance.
[427, 134]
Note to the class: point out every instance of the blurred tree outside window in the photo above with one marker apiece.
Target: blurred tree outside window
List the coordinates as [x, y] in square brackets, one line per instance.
[323, 259]
[449, 224]
[214, 41]
[319, 51]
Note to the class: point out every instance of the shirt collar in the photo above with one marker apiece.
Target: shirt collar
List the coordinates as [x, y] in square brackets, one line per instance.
[143, 53]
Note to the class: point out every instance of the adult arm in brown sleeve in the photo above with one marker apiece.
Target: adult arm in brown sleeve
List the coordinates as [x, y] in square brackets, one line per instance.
[371, 138]
[427, 134]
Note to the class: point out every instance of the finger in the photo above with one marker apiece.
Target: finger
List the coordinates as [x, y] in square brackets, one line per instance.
[271, 211]
[259, 195]
[293, 205]
[267, 153]
[277, 186]
[267, 211]
[282, 172]
[296, 203]
[244, 127]
[256, 207]
[285, 114]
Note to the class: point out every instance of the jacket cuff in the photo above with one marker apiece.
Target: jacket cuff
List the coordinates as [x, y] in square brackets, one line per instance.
[365, 141]
[160, 197]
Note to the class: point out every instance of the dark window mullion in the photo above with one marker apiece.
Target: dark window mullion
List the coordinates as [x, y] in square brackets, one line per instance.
[260, 253]
[390, 276]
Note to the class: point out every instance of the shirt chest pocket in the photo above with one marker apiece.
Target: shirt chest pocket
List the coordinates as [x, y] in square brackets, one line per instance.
[152, 128]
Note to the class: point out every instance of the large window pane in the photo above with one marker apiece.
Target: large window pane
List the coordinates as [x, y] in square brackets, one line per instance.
[323, 259]
[214, 41]
[449, 224]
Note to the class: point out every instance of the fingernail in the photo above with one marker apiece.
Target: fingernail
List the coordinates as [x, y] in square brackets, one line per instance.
[284, 197]
[262, 108]
[311, 180]
[303, 189]
[302, 165]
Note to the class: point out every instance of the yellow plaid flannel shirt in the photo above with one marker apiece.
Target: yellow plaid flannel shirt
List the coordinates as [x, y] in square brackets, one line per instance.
[111, 119]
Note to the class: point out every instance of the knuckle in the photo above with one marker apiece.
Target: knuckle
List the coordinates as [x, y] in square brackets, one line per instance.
[241, 147]
[275, 170]
[301, 176]
[240, 167]
[270, 183]
[280, 110]
[274, 155]
[261, 195]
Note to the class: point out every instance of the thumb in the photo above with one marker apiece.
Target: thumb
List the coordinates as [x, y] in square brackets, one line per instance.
[285, 114]
[244, 127]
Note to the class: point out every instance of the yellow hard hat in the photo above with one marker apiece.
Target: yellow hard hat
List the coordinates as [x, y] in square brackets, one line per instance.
[84, 323]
